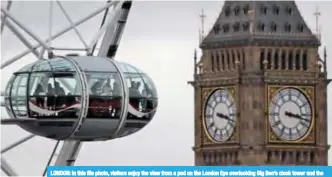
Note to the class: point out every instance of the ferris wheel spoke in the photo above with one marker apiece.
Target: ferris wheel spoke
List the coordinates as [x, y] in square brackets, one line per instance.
[22, 38]
[101, 25]
[114, 32]
[69, 49]
[35, 37]
[19, 142]
[6, 168]
[111, 22]
[71, 23]
[51, 157]
[60, 33]
[68, 153]
[3, 18]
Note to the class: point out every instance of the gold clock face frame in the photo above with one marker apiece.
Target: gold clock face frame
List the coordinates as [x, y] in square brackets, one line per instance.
[290, 113]
[220, 114]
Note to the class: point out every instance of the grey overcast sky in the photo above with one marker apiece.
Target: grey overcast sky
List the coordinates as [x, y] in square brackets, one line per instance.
[160, 38]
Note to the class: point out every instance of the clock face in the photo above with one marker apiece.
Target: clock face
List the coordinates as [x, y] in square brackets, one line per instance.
[290, 114]
[220, 115]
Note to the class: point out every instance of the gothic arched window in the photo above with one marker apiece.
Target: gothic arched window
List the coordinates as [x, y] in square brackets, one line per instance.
[218, 61]
[261, 59]
[297, 60]
[276, 59]
[222, 60]
[269, 59]
[290, 59]
[305, 60]
[283, 59]
[212, 61]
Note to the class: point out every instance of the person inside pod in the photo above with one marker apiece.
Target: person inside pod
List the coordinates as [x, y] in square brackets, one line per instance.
[104, 101]
[55, 99]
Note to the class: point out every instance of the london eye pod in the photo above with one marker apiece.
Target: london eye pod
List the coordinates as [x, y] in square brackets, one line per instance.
[84, 98]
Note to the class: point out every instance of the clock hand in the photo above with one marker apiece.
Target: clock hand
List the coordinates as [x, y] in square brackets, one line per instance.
[296, 116]
[289, 114]
[224, 117]
[299, 117]
[221, 115]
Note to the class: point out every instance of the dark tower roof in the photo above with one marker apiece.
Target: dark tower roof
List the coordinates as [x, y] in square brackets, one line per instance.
[260, 23]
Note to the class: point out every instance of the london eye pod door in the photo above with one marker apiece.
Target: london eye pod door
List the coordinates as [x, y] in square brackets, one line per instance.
[80, 98]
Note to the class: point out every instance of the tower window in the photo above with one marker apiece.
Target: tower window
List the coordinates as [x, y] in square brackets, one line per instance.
[228, 58]
[275, 10]
[222, 60]
[263, 10]
[312, 157]
[276, 59]
[290, 59]
[236, 27]
[233, 58]
[300, 27]
[246, 9]
[212, 62]
[283, 156]
[283, 60]
[204, 156]
[297, 60]
[289, 10]
[261, 59]
[261, 26]
[297, 156]
[245, 26]
[243, 59]
[218, 61]
[269, 59]
[216, 28]
[273, 27]
[305, 60]
[227, 11]
[238, 53]
[288, 27]
[226, 28]
[237, 11]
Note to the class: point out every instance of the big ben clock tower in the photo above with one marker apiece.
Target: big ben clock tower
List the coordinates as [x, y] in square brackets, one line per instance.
[260, 89]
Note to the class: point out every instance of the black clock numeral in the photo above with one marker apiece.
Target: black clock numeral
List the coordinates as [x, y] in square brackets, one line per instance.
[214, 96]
[208, 115]
[231, 123]
[298, 131]
[227, 133]
[306, 114]
[289, 133]
[230, 105]
[304, 104]
[305, 124]
[283, 129]
[210, 125]
[274, 113]
[274, 103]
[289, 94]
[232, 114]
[276, 123]
[226, 95]
[215, 131]
[209, 105]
